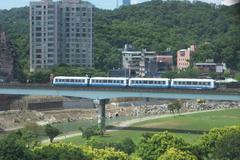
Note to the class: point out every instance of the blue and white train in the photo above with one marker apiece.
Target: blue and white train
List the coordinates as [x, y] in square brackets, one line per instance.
[178, 83]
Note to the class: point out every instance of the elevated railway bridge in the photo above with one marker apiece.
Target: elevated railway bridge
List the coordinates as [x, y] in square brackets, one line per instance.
[101, 95]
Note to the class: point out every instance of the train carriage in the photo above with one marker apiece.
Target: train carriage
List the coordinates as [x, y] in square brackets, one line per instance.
[70, 81]
[185, 83]
[108, 81]
[149, 82]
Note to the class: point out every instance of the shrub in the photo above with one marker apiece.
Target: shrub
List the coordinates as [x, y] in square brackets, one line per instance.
[175, 154]
[151, 148]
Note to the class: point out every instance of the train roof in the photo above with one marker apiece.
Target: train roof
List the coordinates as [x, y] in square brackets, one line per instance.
[110, 78]
[70, 77]
[192, 79]
[150, 79]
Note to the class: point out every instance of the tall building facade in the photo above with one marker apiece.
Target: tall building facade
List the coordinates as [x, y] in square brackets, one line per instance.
[126, 2]
[6, 58]
[60, 33]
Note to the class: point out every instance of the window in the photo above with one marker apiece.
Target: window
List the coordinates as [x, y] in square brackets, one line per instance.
[38, 18]
[38, 50]
[38, 34]
[38, 56]
[38, 40]
[38, 28]
[50, 55]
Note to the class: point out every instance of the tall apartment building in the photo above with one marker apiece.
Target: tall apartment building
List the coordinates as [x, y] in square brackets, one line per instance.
[126, 2]
[60, 33]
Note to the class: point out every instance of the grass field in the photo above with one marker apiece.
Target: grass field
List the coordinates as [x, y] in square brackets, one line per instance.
[185, 126]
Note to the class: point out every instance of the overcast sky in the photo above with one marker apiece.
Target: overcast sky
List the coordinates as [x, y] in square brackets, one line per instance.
[106, 4]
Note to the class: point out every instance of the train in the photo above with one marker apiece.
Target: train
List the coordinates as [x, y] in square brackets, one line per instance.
[177, 83]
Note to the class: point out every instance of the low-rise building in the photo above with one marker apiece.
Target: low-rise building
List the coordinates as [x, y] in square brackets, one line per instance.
[164, 63]
[184, 56]
[138, 63]
[208, 67]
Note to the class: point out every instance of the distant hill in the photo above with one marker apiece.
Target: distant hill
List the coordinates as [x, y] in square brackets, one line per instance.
[154, 25]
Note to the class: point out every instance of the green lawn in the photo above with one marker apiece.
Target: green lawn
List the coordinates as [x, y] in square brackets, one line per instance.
[181, 125]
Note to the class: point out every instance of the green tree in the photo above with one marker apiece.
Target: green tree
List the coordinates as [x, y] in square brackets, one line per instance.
[175, 105]
[51, 132]
[176, 154]
[60, 151]
[89, 132]
[237, 76]
[171, 108]
[126, 145]
[14, 148]
[208, 143]
[151, 148]
[228, 147]
[31, 134]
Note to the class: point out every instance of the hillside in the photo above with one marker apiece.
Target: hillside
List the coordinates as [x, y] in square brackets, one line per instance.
[154, 25]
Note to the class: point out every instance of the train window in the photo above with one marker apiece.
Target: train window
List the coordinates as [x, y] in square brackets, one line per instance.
[194, 83]
[121, 81]
[150, 82]
[109, 81]
[209, 83]
[144, 82]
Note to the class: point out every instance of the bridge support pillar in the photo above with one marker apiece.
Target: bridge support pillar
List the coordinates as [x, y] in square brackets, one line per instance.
[100, 105]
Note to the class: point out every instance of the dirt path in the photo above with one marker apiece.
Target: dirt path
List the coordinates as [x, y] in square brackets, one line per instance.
[128, 123]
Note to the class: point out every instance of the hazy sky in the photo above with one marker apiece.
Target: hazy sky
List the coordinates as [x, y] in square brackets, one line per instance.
[106, 4]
